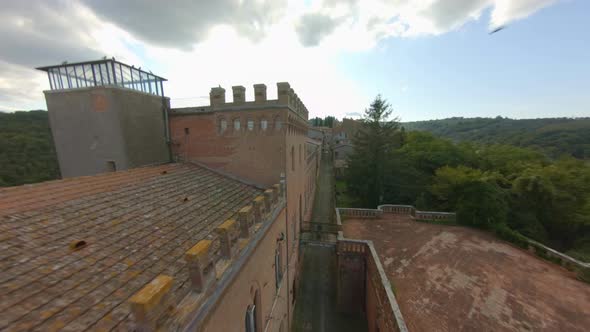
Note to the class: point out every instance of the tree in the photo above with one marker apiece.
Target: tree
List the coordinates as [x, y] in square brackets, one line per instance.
[373, 145]
[316, 122]
[27, 154]
[475, 195]
[329, 121]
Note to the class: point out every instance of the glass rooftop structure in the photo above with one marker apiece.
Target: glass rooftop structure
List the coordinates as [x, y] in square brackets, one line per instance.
[107, 72]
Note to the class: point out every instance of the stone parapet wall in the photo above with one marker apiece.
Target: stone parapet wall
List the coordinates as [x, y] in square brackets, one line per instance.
[360, 213]
[533, 246]
[394, 209]
[362, 282]
[560, 258]
[416, 214]
[211, 264]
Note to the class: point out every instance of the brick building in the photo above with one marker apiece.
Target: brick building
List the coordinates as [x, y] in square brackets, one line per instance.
[202, 236]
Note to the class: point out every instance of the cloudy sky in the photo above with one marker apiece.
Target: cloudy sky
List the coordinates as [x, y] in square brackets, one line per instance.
[429, 58]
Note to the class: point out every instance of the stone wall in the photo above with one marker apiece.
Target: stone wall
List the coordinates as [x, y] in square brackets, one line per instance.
[362, 286]
[535, 247]
[228, 271]
[270, 141]
[102, 129]
[362, 283]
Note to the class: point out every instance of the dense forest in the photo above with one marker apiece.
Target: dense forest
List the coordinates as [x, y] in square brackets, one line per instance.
[506, 189]
[27, 154]
[554, 136]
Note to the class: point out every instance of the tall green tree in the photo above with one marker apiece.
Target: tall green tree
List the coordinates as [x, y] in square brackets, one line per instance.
[475, 195]
[377, 138]
[329, 121]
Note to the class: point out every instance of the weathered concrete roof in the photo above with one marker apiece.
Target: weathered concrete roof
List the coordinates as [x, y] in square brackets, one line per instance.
[134, 225]
[451, 278]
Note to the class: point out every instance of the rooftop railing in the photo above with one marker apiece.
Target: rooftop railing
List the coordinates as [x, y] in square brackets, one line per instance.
[106, 72]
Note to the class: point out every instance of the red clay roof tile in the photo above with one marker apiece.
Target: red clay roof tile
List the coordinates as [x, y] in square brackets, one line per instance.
[136, 225]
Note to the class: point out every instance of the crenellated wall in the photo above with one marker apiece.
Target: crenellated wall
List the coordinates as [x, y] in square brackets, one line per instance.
[220, 272]
[248, 139]
[256, 141]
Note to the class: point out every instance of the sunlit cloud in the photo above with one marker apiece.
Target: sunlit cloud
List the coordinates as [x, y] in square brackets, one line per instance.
[226, 42]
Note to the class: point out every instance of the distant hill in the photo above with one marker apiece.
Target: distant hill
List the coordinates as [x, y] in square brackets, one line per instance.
[27, 154]
[553, 136]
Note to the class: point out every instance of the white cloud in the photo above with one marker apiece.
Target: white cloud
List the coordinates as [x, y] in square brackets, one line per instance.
[506, 11]
[201, 44]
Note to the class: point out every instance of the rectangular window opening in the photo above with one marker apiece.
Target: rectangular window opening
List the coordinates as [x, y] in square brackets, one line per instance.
[111, 166]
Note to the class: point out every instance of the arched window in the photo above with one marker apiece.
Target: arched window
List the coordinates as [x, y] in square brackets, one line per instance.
[278, 265]
[263, 124]
[251, 318]
[278, 123]
[250, 124]
[222, 125]
[237, 124]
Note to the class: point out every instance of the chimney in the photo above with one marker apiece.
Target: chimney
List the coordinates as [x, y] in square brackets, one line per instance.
[217, 96]
[259, 93]
[239, 94]
[283, 90]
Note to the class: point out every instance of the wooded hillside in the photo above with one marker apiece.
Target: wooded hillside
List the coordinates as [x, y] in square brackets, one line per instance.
[27, 154]
[552, 136]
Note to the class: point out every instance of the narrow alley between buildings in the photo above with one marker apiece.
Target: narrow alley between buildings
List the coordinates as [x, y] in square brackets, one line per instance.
[316, 308]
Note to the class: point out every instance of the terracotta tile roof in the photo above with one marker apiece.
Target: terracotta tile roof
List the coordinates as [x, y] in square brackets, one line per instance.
[135, 225]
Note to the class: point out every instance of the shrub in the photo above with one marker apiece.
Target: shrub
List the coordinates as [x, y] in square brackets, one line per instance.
[507, 234]
[584, 274]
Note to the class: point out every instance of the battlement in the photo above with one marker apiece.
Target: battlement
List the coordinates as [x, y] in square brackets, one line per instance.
[211, 264]
[286, 97]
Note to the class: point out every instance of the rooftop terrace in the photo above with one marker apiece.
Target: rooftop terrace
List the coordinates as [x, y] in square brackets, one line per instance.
[451, 278]
[102, 73]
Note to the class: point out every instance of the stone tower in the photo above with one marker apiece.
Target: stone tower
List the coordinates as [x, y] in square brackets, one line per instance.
[106, 116]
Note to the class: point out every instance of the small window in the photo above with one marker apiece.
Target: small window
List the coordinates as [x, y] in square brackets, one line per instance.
[278, 123]
[111, 166]
[263, 124]
[300, 158]
[222, 126]
[186, 131]
[237, 124]
[250, 124]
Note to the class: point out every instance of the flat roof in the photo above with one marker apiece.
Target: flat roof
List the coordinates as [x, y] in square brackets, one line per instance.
[135, 225]
[452, 278]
